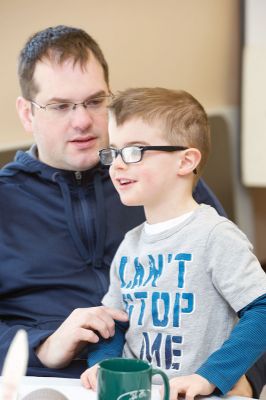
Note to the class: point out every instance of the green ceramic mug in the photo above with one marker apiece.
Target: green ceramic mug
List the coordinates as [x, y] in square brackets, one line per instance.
[127, 379]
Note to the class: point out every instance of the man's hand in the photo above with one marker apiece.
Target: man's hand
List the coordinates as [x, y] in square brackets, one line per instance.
[242, 388]
[89, 378]
[84, 325]
[189, 386]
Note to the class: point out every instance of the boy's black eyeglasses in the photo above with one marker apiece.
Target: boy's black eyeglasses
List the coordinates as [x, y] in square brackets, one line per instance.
[132, 154]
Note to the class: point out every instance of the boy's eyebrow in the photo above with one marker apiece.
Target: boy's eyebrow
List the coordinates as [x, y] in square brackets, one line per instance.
[128, 144]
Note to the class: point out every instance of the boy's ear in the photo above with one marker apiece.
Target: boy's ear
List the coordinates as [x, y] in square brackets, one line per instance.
[24, 110]
[188, 161]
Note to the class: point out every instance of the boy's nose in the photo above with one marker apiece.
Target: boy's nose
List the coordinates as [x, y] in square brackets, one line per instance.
[118, 162]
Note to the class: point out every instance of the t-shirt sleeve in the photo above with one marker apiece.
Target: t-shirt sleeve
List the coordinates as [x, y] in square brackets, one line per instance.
[235, 271]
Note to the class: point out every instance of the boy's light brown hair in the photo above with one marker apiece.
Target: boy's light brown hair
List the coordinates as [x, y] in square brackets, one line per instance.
[58, 44]
[182, 118]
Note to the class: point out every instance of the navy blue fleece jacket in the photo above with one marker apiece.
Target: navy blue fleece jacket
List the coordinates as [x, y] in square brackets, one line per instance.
[59, 232]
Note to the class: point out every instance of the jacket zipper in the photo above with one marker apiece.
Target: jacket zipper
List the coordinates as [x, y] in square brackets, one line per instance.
[102, 281]
[78, 176]
[83, 211]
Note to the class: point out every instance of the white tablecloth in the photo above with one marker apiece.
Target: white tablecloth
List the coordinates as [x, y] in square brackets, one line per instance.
[73, 389]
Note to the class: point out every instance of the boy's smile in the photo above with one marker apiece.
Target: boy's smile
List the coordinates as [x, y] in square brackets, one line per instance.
[124, 182]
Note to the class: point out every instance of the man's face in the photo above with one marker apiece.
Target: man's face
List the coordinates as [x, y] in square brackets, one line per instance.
[69, 141]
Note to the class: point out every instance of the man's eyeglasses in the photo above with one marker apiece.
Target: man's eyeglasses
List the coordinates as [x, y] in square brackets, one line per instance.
[132, 154]
[95, 105]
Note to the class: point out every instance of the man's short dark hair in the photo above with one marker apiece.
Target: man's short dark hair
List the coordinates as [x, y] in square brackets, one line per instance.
[58, 44]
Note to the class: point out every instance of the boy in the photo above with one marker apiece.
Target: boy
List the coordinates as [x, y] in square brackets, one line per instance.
[184, 274]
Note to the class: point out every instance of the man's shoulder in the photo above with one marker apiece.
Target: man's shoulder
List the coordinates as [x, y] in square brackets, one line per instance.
[8, 172]
[16, 173]
[203, 194]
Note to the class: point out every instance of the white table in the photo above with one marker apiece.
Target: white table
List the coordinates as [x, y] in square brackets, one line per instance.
[73, 389]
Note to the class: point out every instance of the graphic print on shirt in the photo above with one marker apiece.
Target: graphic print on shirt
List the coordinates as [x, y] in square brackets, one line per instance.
[155, 311]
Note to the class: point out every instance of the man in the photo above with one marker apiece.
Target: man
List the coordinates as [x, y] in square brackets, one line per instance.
[60, 216]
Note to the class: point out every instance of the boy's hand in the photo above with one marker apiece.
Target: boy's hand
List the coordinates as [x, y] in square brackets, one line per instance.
[89, 378]
[189, 386]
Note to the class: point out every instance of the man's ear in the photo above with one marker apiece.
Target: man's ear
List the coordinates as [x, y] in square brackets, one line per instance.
[188, 161]
[24, 110]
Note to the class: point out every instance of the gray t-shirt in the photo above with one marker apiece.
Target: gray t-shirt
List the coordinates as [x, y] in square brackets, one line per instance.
[182, 289]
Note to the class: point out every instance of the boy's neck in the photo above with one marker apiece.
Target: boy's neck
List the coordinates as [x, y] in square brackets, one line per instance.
[170, 210]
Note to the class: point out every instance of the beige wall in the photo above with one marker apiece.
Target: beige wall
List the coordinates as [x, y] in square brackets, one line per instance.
[188, 44]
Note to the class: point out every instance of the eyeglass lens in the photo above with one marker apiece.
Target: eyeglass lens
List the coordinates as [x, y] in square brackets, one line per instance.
[128, 154]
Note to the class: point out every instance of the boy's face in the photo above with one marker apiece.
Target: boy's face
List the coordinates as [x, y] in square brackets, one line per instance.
[151, 181]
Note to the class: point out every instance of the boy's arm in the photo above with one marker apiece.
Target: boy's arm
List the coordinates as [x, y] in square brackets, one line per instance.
[108, 348]
[245, 345]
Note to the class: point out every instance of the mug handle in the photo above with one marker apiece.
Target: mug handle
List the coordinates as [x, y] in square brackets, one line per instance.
[156, 371]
